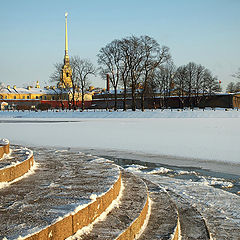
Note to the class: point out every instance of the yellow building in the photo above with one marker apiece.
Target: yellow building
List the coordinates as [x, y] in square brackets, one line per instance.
[37, 93]
[30, 93]
[32, 96]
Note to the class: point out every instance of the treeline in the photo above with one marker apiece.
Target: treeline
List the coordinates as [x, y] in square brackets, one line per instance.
[141, 64]
[146, 68]
[233, 87]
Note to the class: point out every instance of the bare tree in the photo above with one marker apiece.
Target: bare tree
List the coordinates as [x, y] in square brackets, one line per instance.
[64, 89]
[56, 77]
[199, 84]
[82, 69]
[109, 59]
[124, 69]
[134, 63]
[195, 82]
[180, 84]
[131, 62]
[212, 84]
[1, 87]
[237, 87]
[153, 57]
[191, 74]
[141, 64]
[164, 81]
[237, 74]
[230, 87]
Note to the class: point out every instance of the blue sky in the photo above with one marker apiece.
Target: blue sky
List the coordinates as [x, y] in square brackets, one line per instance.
[32, 33]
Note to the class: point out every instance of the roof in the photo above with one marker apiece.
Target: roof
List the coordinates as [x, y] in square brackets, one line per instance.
[30, 91]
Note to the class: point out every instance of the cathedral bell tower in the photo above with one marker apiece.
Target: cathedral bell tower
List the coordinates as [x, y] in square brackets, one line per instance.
[66, 74]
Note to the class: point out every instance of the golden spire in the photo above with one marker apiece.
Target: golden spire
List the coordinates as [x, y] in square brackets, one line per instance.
[66, 37]
[66, 75]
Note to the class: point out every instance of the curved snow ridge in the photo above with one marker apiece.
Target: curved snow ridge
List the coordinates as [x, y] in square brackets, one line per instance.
[160, 170]
[212, 181]
[134, 168]
[83, 215]
[16, 169]
[208, 181]
[101, 160]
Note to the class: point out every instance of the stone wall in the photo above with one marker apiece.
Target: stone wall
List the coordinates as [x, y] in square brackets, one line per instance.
[12, 172]
[136, 225]
[70, 224]
[177, 231]
[4, 149]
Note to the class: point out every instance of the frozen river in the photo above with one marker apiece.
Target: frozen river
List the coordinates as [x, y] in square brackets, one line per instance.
[195, 156]
[195, 135]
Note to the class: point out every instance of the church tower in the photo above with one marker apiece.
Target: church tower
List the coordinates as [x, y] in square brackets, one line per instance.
[66, 75]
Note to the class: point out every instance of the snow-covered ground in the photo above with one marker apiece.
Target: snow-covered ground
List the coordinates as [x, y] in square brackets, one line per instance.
[207, 139]
[198, 134]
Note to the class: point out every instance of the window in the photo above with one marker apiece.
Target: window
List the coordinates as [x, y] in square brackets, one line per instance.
[23, 97]
[53, 98]
[41, 97]
[36, 97]
[45, 97]
[28, 97]
[67, 74]
[5, 97]
[15, 97]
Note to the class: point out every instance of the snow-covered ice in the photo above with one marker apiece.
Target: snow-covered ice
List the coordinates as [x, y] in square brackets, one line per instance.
[208, 135]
